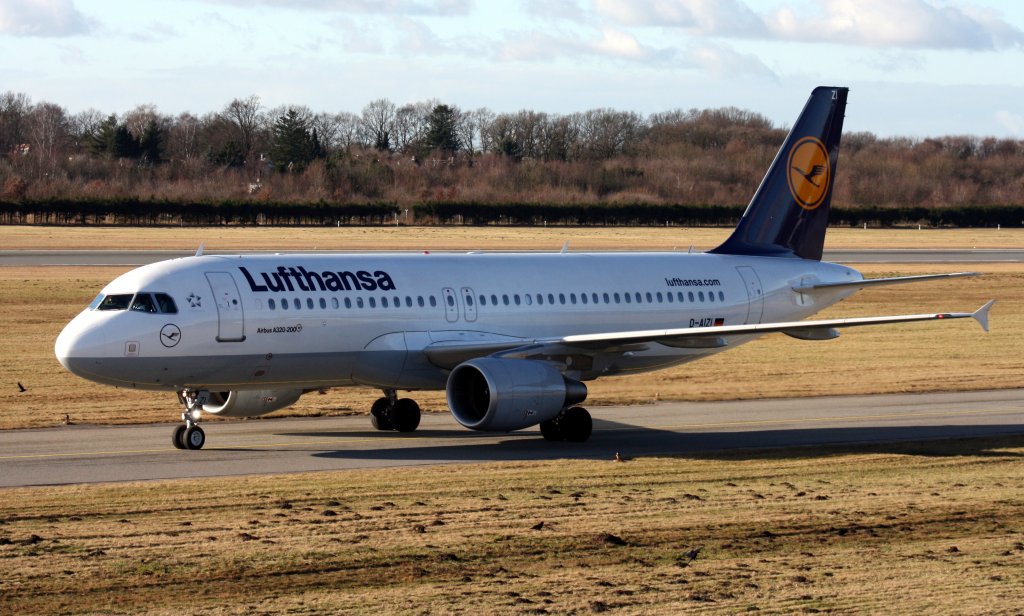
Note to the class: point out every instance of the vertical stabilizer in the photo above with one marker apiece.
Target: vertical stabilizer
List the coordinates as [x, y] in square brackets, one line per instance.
[788, 215]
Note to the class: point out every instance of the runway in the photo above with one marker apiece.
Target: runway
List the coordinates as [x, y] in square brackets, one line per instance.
[130, 258]
[93, 454]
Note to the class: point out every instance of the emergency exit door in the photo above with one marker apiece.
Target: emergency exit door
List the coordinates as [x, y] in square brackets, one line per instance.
[230, 317]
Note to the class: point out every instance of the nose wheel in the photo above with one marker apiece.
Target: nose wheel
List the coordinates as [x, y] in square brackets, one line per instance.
[189, 435]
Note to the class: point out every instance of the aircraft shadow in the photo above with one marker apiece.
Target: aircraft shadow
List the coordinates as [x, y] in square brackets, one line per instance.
[610, 438]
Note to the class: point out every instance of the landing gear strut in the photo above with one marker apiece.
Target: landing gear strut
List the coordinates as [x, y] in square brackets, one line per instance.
[189, 435]
[572, 424]
[394, 413]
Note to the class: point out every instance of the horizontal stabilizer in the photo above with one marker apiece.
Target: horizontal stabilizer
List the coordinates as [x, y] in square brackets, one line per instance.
[981, 314]
[875, 282]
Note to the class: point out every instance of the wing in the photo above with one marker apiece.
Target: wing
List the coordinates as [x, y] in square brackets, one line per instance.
[450, 354]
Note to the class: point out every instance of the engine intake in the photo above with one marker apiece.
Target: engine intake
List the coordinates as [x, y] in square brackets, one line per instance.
[502, 395]
[250, 402]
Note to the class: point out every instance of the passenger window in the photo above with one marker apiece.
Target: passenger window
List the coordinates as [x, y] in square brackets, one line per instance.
[348, 303]
[606, 299]
[143, 303]
[700, 295]
[650, 299]
[451, 300]
[540, 299]
[639, 299]
[572, 298]
[561, 298]
[721, 296]
[270, 304]
[323, 304]
[669, 297]
[359, 302]
[616, 296]
[433, 302]
[384, 302]
[372, 301]
[408, 302]
[627, 297]
[593, 298]
[690, 296]
[334, 303]
[529, 299]
[284, 304]
[297, 303]
[309, 303]
[583, 297]
[398, 302]
[515, 298]
[469, 299]
[483, 299]
[165, 303]
[115, 302]
[658, 296]
[419, 300]
[551, 298]
[504, 299]
[494, 299]
[679, 294]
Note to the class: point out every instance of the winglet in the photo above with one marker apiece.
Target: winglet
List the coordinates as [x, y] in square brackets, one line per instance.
[981, 314]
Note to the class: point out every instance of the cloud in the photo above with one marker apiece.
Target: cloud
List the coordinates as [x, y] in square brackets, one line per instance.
[43, 18]
[433, 8]
[611, 44]
[908, 24]
[721, 61]
[709, 17]
[1012, 122]
[556, 10]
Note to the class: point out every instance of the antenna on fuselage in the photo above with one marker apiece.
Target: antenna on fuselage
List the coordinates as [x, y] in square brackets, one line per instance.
[565, 247]
[199, 251]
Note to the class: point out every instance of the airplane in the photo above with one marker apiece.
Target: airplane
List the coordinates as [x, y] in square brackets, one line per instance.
[511, 338]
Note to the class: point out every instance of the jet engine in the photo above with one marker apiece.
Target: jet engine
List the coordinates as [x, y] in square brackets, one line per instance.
[250, 403]
[502, 395]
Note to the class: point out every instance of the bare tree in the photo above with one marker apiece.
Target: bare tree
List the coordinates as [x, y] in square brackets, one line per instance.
[14, 108]
[84, 125]
[50, 129]
[140, 117]
[246, 117]
[182, 137]
[378, 119]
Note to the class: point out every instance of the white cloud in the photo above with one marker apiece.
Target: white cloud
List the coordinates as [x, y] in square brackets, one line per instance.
[721, 61]
[45, 18]
[1012, 122]
[910, 24]
[558, 10]
[437, 8]
[611, 44]
[711, 17]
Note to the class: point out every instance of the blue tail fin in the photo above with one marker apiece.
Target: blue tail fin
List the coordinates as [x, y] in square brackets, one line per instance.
[789, 212]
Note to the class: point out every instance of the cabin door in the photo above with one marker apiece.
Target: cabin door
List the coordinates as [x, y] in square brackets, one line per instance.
[755, 294]
[230, 318]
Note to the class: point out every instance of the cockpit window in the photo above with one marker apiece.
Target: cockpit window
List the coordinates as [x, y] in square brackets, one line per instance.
[96, 302]
[143, 303]
[165, 303]
[115, 302]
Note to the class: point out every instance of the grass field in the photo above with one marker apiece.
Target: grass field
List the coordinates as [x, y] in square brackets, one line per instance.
[466, 238]
[934, 528]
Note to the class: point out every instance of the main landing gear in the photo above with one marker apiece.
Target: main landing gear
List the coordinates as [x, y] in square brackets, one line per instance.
[572, 424]
[189, 435]
[394, 413]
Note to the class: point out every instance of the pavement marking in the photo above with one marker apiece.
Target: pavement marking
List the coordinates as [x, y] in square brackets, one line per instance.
[463, 441]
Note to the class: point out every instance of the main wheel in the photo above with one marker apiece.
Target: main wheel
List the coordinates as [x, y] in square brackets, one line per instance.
[379, 414]
[551, 431]
[195, 438]
[576, 424]
[178, 438]
[405, 415]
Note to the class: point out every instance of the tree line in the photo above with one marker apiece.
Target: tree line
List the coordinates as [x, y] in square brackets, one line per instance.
[427, 156]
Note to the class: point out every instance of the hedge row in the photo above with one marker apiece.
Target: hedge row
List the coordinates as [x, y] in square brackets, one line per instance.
[151, 213]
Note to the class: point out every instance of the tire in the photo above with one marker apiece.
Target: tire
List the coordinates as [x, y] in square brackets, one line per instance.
[195, 438]
[405, 415]
[551, 431]
[178, 438]
[379, 414]
[576, 424]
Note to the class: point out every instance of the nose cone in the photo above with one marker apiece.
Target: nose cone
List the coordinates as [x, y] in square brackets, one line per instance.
[80, 348]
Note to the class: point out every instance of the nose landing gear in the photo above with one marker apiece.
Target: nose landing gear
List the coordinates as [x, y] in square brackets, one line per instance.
[189, 435]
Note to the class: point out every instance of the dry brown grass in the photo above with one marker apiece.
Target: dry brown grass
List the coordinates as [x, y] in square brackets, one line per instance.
[38, 301]
[931, 528]
[466, 238]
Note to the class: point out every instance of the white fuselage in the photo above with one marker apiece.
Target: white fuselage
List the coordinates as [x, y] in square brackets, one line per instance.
[313, 321]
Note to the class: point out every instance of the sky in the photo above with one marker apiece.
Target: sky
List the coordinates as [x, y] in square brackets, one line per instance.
[915, 68]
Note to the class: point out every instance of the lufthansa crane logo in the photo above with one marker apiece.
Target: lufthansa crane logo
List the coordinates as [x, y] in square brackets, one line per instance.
[809, 172]
[170, 335]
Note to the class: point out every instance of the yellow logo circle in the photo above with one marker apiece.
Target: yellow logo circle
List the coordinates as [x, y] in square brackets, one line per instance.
[809, 172]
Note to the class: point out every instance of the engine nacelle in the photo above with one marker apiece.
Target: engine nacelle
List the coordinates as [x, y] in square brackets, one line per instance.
[250, 403]
[501, 395]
